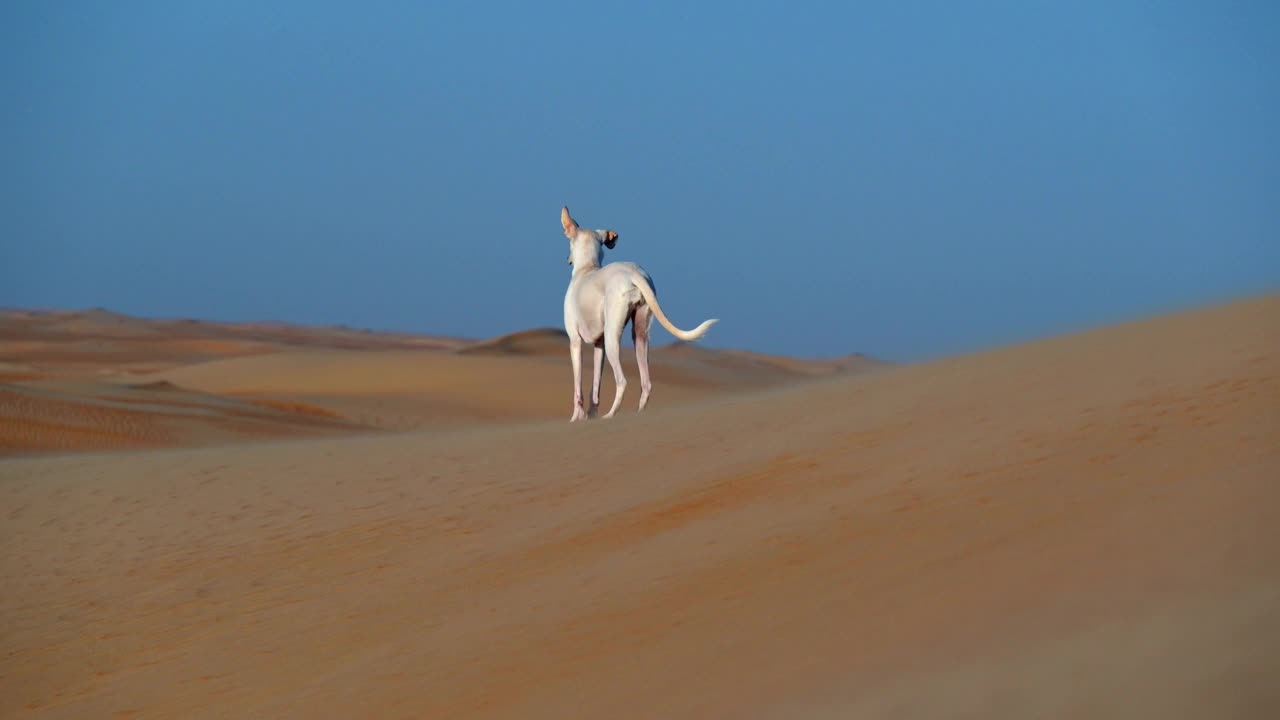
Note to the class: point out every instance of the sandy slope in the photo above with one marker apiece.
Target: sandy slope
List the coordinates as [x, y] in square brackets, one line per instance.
[1084, 527]
[75, 416]
[77, 381]
[413, 390]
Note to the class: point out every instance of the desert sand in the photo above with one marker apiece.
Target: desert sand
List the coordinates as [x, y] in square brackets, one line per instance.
[260, 521]
[97, 380]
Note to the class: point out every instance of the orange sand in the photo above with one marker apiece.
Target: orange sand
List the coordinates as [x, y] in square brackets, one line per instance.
[1083, 527]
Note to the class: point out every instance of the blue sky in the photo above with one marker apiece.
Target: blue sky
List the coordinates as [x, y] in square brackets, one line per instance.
[904, 179]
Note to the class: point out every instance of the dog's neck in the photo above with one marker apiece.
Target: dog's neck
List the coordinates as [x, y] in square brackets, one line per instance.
[585, 268]
[585, 259]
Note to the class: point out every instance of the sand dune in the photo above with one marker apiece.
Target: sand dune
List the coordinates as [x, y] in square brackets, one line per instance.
[543, 342]
[369, 381]
[398, 390]
[448, 389]
[98, 342]
[104, 416]
[1084, 527]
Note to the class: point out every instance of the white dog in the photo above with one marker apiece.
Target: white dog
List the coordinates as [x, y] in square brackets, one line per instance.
[597, 307]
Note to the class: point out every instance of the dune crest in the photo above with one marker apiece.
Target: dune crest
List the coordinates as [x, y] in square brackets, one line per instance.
[541, 341]
[364, 382]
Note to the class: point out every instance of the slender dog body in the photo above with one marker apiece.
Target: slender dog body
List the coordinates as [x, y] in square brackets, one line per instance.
[598, 305]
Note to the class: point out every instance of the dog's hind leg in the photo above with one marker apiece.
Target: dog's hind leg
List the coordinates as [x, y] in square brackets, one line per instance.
[640, 325]
[615, 322]
[597, 361]
[575, 355]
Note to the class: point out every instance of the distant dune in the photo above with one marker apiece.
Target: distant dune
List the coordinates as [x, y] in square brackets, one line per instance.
[543, 342]
[362, 381]
[1081, 527]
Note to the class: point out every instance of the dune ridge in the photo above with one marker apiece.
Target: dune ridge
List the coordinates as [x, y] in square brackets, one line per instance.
[55, 368]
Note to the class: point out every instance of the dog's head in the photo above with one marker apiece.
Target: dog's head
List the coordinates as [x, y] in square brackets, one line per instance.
[585, 246]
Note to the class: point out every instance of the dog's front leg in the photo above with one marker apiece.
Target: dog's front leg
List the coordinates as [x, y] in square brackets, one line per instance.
[598, 362]
[575, 354]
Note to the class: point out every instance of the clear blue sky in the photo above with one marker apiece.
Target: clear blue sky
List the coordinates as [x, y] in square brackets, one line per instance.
[899, 178]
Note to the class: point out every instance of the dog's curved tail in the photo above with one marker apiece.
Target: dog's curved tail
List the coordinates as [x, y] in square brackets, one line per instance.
[651, 299]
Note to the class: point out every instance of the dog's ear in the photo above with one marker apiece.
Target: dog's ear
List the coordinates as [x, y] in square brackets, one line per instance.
[570, 227]
[610, 239]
